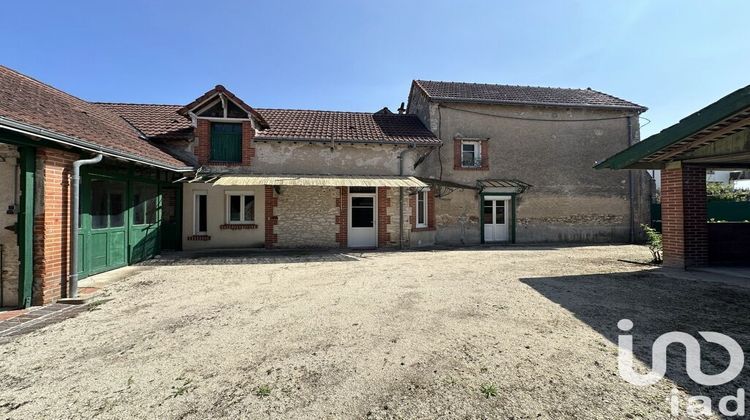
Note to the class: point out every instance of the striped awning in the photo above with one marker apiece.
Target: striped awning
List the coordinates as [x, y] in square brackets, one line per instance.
[321, 180]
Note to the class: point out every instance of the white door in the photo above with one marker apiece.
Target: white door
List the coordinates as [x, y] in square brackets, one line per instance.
[495, 216]
[363, 232]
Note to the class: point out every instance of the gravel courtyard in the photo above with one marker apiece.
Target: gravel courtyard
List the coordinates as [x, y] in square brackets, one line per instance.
[378, 335]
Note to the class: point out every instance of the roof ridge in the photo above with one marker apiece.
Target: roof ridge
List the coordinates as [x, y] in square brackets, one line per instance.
[506, 85]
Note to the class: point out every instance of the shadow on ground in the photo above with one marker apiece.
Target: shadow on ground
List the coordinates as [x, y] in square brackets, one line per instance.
[656, 305]
[250, 256]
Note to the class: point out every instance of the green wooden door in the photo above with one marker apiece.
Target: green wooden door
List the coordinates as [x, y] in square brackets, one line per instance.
[171, 218]
[144, 230]
[103, 227]
[226, 142]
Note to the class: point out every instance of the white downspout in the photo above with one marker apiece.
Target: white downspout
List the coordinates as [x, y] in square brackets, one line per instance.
[76, 181]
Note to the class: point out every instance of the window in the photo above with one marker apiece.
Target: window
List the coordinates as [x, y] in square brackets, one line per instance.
[421, 209]
[471, 156]
[240, 207]
[107, 204]
[226, 142]
[200, 216]
[144, 204]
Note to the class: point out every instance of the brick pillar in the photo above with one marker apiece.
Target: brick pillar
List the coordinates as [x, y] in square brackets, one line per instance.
[52, 225]
[271, 201]
[203, 141]
[248, 151]
[684, 216]
[342, 219]
[383, 218]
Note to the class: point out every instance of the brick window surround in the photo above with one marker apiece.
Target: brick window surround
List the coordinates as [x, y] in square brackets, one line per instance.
[203, 144]
[484, 151]
[684, 216]
[430, 212]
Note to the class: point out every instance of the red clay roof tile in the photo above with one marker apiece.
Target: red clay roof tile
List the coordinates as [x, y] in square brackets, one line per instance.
[531, 95]
[28, 101]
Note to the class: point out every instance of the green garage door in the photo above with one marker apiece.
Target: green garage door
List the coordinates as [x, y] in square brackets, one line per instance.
[104, 230]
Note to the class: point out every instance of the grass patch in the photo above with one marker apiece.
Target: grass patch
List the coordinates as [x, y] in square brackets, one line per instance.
[183, 389]
[488, 390]
[263, 391]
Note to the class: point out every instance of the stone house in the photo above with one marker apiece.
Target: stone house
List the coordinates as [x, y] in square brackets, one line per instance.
[523, 155]
[461, 164]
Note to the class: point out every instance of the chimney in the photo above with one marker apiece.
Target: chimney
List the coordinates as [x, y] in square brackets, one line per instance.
[401, 109]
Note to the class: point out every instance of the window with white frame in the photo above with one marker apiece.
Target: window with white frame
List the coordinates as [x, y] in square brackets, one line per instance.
[200, 213]
[471, 154]
[240, 207]
[421, 221]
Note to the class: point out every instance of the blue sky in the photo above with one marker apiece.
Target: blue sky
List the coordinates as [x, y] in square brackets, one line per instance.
[672, 56]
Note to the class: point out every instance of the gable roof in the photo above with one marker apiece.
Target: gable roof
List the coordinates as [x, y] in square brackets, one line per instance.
[219, 89]
[718, 120]
[521, 95]
[291, 124]
[36, 108]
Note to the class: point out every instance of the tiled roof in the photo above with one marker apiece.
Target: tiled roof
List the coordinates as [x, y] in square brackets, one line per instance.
[30, 102]
[532, 95]
[153, 120]
[289, 124]
[361, 127]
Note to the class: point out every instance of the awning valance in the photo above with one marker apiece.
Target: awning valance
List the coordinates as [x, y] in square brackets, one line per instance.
[321, 180]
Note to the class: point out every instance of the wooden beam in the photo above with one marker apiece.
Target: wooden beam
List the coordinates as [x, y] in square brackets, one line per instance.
[738, 125]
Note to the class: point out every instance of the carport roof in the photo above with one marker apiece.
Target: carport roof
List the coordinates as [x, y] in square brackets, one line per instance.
[716, 121]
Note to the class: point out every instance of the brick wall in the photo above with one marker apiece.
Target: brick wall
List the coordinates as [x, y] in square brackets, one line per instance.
[384, 202]
[684, 216]
[271, 202]
[342, 219]
[203, 144]
[52, 225]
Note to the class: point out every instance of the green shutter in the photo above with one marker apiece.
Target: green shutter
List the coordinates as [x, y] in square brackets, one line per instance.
[226, 142]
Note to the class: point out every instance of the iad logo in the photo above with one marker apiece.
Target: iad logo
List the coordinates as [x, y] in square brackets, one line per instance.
[693, 367]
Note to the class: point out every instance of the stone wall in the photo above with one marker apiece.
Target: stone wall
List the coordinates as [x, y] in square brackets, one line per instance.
[9, 196]
[554, 150]
[457, 218]
[307, 217]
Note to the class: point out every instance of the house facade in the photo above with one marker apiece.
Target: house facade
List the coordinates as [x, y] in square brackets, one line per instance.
[461, 164]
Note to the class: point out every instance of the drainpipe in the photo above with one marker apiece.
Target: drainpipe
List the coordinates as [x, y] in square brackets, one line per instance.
[401, 197]
[76, 180]
[631, 187]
